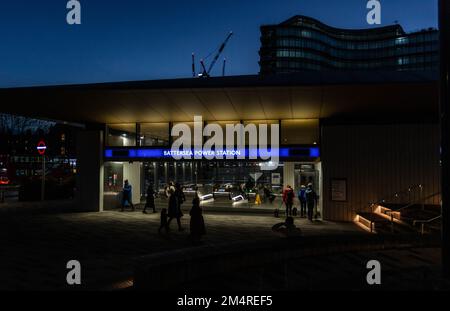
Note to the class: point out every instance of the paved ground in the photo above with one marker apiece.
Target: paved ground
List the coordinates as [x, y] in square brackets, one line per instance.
[35, 248]
[401, 269]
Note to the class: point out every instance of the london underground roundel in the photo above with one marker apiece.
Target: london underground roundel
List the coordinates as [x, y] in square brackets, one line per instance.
[41, 147]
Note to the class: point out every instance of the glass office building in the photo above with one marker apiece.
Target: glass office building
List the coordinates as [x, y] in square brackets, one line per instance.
[303, 44]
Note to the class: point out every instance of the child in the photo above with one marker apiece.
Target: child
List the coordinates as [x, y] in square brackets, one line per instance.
[163, 220]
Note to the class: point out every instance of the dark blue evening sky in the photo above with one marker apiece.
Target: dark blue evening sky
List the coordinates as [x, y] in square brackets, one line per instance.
[145, 39]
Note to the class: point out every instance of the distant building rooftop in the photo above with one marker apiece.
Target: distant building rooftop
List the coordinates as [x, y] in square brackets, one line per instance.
[303, 43]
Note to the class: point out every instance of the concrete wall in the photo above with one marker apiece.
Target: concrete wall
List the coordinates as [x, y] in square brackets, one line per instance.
[377, 161]
[289, 174]
[89, 195]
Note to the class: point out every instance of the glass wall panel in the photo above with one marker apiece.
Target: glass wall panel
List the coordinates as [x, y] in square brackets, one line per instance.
[121, 135]
[113, 176]
[154, 134]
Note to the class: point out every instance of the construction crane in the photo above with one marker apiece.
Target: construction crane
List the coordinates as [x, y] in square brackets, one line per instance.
[223, 67]
[206, 73]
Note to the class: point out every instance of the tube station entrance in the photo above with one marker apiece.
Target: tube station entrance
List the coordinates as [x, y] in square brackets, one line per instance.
[234, 184]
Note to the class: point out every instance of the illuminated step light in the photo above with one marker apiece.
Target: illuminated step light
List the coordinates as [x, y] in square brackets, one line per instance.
[364, 224]
[206, 197]
[238, 198]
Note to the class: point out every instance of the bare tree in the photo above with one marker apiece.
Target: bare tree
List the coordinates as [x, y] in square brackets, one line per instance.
[18, 125]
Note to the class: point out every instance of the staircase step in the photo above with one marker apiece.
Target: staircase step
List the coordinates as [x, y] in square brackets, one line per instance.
[381, 224]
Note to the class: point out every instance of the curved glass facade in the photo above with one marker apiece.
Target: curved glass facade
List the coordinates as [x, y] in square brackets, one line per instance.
[302, 43]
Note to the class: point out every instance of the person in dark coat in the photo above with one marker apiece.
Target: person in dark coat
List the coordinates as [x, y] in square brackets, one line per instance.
[180, 196]
[302, 199]
[197, 222]
[150, 200]
[174, 210]
[311, 200]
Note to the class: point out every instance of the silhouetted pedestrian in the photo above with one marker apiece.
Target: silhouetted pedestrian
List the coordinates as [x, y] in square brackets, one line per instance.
[311, 200]
[180, 195]
[150, 200]
[174, 210]
[197, 222]
[302, 199]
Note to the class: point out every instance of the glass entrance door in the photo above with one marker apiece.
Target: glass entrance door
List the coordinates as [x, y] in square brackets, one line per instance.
[309, 173]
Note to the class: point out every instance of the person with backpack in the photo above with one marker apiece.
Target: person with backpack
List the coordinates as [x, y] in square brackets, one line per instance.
[311, 200]
[288, 199]
[302, 199]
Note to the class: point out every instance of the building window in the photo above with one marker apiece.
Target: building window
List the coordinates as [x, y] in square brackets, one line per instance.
[154, 134]
[121, 135]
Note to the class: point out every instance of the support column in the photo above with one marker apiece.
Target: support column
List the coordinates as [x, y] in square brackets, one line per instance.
[132, 172]
[444, 30]
[89, 194]
[289, 174]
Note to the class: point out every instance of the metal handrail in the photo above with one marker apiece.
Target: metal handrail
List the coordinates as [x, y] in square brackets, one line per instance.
[418, 201]
[409, 205]
[421, 200]
[395, 195]
[424, 222]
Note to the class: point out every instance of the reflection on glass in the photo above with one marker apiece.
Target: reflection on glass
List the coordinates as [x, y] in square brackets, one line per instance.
[154, 134]
[121, 135]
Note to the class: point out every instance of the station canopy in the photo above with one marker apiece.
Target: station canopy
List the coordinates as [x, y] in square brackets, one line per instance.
[308, 95]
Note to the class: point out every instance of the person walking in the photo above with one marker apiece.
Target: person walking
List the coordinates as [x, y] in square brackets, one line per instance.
[174, 210]
[126, 195]
[288, 199]
[150, 200]
[302, 199]
[180, 195]
[197, 222]
[311, 200]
